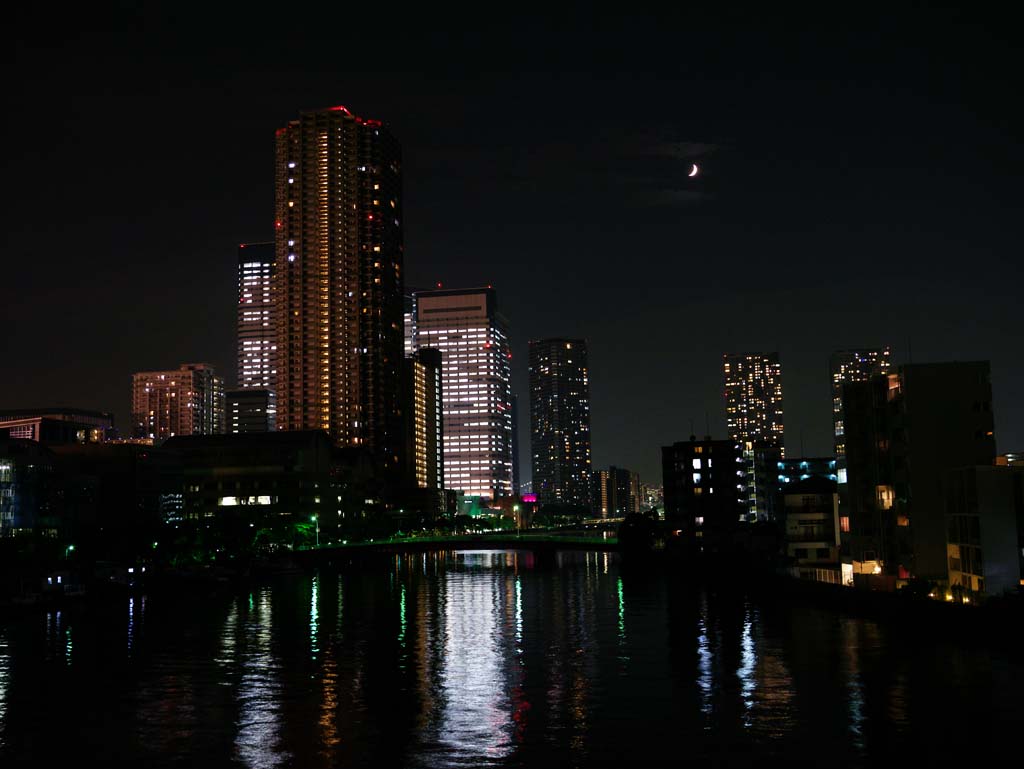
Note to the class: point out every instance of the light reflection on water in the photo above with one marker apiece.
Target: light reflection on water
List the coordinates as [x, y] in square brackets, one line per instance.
[484, 658]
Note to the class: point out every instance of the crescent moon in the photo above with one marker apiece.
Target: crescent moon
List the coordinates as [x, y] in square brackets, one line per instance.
[694, 170]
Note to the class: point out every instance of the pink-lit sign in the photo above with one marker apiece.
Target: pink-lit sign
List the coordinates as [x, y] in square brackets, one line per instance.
[529, 497]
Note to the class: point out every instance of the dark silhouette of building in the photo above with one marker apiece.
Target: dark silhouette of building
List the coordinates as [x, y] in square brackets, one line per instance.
[338, 282]
[56, 425]
[852, 366]
[251, 410]
[904, 432]
[705, 489]
[560, 422]
[615, 492]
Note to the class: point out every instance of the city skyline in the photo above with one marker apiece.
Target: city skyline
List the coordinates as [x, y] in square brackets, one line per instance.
[860, 232]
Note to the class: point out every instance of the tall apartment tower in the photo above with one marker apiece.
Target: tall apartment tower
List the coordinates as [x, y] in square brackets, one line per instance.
[188, 401]
[338, 281]
[257, 341]
[615, 492]
[753, 413]
[560, 421]
[425, 448]
[852, 366]
[464, 324]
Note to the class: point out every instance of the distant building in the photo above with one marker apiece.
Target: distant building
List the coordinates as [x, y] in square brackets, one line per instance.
[704, 488]
[904, 432]
[852, 366]
[984, 513]
[465, 325]
[424, 419]
[257, 333]
[754, 419]
[251, 410]
[812, 528]
[56, 425]
[186, 401]
[1011, 459]
[560, 422]
[409, 325]
[615, 492]
[515, 446]
[804, 468]
[30, 491]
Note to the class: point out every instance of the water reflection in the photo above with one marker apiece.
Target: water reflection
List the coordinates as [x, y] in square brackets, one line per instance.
[4, 667]
[257, 742]
[475, 718]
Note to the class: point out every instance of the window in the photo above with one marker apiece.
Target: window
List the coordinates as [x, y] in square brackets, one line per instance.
[844, 524]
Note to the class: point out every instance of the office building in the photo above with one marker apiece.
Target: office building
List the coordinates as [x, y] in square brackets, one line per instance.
[186, 401]
[705, 491]
[852, 366]
[257, 335]
[251, 410]
[338, 282]
[615, 492]
[904, 432]
[466, 327]
[560, 422]
[754, 419]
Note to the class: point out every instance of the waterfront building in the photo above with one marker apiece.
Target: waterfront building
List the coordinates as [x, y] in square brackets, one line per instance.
[472, 336]
[338, 282]
[705, 489]
[184, 401]
[812, 528]
[904, 432]
[560, 422]
[424, 417]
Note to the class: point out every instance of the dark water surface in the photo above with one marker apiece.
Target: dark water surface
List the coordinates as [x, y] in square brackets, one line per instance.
[492, 659]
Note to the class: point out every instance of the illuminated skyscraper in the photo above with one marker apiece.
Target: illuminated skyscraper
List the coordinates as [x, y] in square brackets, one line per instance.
[188, 401]
[257, 342]
[615, 492]
[560, 421]
[338, 281]
[425, 450]
[472, 337]
[852, 366]
[753, 413]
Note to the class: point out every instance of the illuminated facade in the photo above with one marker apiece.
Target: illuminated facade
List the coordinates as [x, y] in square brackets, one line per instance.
[754, 419]
[425, 449]
[852, 366]
[338, 281]
[188, 401]
[257, 342]
[560, 421]
[465, 326]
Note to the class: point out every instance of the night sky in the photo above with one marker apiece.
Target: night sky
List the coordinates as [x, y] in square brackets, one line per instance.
[860, 185]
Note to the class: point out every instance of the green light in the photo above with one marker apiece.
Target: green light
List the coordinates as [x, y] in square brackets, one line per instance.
[622, 613]
[401, 617]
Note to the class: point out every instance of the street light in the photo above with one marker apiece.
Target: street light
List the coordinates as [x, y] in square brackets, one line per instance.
[316, 520]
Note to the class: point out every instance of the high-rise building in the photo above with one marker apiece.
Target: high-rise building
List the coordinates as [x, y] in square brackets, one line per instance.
[560, 421]
[186, 401]
[852, 366]
[338, 281]
[251, 410]
[257, 340]
[615, 492]
[754, 419]
[465, 325]
[904, 433]
[425, 448]
[409, 325]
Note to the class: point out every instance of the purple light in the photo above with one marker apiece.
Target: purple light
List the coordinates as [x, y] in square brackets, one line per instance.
[291, 257]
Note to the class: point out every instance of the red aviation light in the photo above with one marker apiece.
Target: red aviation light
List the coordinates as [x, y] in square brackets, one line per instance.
[278, 225]
[340, 108]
